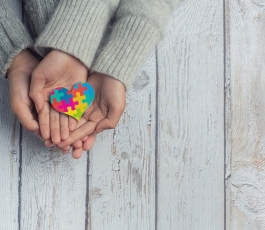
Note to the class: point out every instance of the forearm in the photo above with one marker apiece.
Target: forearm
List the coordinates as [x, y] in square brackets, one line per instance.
[38, 14]
[77, 27]
[137, 28]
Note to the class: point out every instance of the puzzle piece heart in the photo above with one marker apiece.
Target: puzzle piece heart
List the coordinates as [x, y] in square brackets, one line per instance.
[73, 103]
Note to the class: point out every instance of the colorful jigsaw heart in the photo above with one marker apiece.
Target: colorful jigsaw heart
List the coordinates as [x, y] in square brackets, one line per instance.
[73, 103]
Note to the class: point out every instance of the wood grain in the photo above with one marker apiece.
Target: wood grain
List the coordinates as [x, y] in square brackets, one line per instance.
[191, 150]
[9, 155]
[191, 119]
[245, 24]
[53, 193]
[122, 163]
[53, 186]
[9, 163]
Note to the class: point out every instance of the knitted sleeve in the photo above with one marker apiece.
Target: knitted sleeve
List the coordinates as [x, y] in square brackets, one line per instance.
[76, 27]
[138, 26]
[38, 13]
[14, 37]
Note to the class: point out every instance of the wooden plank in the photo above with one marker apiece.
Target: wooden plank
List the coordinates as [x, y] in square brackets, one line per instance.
[9, 155]
[191, 119]
[9, 163]
[245, 71]
[228, 120]
[53, 193]
[122, 163]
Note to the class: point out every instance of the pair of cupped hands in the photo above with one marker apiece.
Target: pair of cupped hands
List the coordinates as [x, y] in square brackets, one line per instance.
[31, 82]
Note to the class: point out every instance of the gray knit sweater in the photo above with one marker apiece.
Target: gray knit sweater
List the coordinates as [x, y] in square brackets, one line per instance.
[77, 27]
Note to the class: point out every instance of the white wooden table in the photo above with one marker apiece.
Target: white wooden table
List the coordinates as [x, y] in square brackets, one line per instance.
[188, 153]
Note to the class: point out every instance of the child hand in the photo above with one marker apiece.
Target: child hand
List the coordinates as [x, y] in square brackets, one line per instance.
[56, 69]
[19, 74]
[104, 112]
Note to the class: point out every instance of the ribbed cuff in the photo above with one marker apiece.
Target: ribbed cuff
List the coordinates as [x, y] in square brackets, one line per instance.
[130, 42]
[76, 28]
[14, 38]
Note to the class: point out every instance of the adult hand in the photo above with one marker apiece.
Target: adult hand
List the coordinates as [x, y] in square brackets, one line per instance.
[56, 69]
[19, 74]
[104, 112]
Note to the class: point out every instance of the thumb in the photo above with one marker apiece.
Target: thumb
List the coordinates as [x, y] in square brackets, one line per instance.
[35, 93]
[111, 121]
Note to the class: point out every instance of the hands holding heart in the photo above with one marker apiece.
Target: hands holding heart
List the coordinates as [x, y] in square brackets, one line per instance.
[63, 81]
[75, 102]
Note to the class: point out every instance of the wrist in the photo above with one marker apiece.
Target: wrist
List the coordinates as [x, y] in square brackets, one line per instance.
[16, 60]
[22, 64]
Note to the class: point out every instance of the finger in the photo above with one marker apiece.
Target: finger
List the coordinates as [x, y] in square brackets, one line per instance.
[49, 144]
[111, 121]
[77, 149]
[64, 128]
[55, 126]
[78, 144]
[38, 134]
[84, 139]
[87, 145]
[66, 150]
[23, 113]
[35, 93]
[72, 124]
[81, 122]
[44, 121]
[77, 153]
[79, 134]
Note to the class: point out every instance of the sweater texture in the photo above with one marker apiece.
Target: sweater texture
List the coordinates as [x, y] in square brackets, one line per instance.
[112, 37]
[14, 37]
